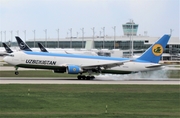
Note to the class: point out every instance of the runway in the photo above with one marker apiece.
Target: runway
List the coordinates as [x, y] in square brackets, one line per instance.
[26, 80]
[157, 78]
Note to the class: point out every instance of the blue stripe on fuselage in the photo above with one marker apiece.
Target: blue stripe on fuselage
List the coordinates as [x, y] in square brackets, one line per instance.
[75, 56]
[83, 56]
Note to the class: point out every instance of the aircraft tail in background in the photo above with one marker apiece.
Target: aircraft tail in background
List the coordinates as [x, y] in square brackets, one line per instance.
[42, 48]
[8, 50]
[153, 53]
[22, 44]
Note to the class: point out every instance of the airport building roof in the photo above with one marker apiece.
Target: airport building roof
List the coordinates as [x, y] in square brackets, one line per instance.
[146, 39]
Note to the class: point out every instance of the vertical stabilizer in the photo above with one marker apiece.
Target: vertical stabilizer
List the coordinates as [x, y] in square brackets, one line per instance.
[42, 48]
[154, 52]
[22, 44]
[8, 50]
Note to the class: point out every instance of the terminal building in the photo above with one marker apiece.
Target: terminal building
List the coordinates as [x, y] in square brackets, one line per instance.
[106, 45]
[112, 43]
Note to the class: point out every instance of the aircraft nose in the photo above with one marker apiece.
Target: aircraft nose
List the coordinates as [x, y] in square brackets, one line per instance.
[6, 59]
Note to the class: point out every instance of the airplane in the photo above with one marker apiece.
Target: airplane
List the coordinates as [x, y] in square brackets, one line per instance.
[25, 47]
[22, 45]
[6, 51]
[79, 64]
[7, 48]
[42, 48]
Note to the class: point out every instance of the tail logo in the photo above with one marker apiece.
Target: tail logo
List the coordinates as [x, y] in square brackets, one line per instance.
[22, 45]
[157, 49]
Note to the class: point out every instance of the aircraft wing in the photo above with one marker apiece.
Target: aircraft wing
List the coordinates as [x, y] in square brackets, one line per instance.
[99, 66]
[105, 66]
[154, 65]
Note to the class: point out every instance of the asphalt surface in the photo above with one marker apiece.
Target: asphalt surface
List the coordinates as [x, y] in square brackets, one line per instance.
[26, 80]
[154, 79]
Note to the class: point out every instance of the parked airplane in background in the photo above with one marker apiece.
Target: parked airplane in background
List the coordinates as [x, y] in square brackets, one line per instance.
[79, 64]
[25, 47]
[42, 48]
[22, 44]
[8, 50]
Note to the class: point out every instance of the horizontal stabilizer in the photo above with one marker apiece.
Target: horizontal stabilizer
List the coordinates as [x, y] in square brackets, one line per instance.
[154, 66]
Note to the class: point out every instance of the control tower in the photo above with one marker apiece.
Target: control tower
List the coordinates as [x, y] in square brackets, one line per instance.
[130, 28]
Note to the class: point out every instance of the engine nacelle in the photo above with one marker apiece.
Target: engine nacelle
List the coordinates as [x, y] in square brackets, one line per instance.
[73, 69]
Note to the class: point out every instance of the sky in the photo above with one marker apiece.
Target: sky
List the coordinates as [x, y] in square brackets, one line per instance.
[45, 17]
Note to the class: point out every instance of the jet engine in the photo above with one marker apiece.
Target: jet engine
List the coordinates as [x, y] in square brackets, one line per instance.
[73, 69]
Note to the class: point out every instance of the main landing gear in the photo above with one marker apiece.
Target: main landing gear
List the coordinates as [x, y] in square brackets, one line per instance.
[83, 77]
[89, 77]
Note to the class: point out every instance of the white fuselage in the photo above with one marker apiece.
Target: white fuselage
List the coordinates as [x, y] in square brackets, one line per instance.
[44, 61]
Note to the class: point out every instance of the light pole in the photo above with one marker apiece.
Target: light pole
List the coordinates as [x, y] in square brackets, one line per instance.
[58, 37]
[77, 34]
[11, 37]
[100, 38]
[171, 30]
[132, 48]
[34, 31]
[70, 37]
[93, 35]
[1, 38]
[25, 35]
[114, 28]
[82, 37]
[45, 37]
[103, 36]
[17, 32]
[5, 36]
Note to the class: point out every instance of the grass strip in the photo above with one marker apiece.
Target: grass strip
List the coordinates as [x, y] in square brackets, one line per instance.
[139, 101]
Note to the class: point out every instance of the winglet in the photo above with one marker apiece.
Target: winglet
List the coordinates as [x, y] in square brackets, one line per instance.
[154, 52]
[42, 48]
[22, 45]
[8, 50]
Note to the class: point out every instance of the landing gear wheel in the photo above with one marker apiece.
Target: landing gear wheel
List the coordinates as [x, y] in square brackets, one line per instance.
[16, 73]
[92, 77]
[83, 77]
[88, 77]
[79, 77]
[16, 70]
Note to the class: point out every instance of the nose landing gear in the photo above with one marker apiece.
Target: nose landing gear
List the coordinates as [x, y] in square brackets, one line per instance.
[16, 71]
